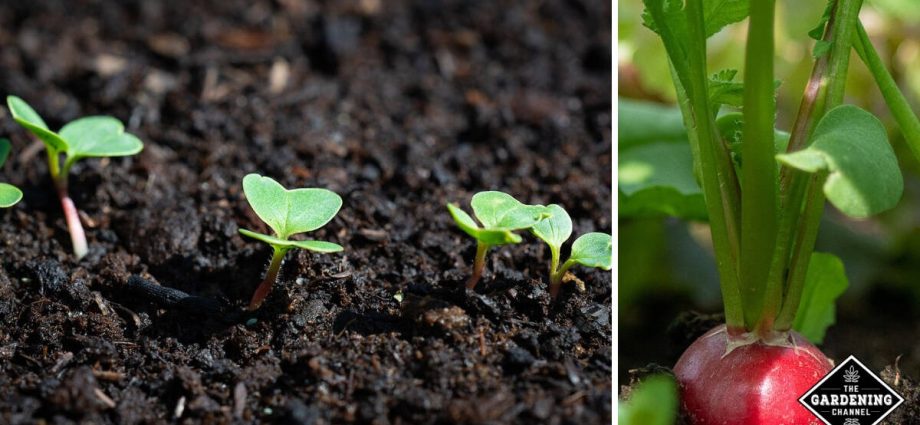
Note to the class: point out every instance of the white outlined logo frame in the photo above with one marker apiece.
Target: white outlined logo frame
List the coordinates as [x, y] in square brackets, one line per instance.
[803, 400]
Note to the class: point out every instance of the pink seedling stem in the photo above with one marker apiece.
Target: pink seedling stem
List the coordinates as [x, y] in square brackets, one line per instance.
[271, 276]
[74, 226]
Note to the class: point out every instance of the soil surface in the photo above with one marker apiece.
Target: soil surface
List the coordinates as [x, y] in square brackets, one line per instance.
[399, 107]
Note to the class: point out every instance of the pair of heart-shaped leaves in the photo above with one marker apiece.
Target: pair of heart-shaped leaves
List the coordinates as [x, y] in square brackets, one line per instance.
[93, 136]
[288, 212]
[593, 249]
[9, 194]
[500, 215]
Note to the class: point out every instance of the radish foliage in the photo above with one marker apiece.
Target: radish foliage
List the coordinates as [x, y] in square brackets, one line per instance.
[762, 190]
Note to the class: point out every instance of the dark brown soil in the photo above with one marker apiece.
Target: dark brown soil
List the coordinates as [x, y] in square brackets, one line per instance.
[399, 107]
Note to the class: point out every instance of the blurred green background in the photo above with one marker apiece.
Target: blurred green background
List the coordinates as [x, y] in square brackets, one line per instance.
[665, 266]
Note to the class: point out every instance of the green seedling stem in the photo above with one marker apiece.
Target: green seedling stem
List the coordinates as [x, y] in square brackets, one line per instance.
[479, 264]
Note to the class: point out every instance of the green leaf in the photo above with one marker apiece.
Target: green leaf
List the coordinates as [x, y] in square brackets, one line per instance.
[28, 118]
[593, 250]
[716, 13]
[652, 402]
[498, 237]
[824, 283]
[730, 129]
[99, 136]
[852, 146]
[644, 122]
[657, 179]
[9, 195]
[4, 150]
[671, 10]
[500, 210]
[720, 13]
[723, 90]
[464, 221]
[555, 229]
[317, 246]
[821, 48]
[817, 32]
[289, 212]
[493, 236]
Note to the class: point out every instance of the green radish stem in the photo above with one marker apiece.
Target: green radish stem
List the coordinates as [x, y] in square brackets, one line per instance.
[759, 202]
[479, 264]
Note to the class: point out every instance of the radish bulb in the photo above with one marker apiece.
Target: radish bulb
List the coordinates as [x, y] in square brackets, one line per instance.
[750, 382]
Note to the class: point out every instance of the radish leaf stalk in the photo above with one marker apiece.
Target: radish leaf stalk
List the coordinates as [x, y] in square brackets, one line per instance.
[287, 212]
[906, 118]
[87, 137]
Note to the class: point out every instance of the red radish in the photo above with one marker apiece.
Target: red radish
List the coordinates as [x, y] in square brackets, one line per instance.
[754, 384]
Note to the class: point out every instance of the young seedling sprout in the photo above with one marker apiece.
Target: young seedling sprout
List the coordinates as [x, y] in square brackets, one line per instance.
[500, 215]
[590, 250]
[87, 137]
[9, 194]
[287, 212]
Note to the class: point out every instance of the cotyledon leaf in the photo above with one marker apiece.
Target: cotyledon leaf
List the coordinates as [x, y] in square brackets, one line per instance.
[555, 229]
[593, 250]
[317, 246]
[290, 212]
[28, 118]
[496, 209]
[490, 236]
[99, 136]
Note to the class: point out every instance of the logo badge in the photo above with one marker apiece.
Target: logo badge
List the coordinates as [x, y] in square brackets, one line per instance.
[851, 395]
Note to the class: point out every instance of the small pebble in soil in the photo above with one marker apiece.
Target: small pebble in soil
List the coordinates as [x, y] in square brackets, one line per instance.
[517, 359]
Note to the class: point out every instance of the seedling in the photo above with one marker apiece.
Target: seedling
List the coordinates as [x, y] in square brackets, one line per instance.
[501, 215]
[590, 250]
[9, 194]
[287, 213]
[764, 200]
[87, 137]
